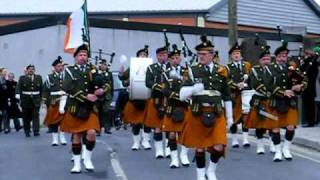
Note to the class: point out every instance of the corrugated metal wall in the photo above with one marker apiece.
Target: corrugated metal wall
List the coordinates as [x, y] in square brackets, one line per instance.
[270, 13]
[42, 46]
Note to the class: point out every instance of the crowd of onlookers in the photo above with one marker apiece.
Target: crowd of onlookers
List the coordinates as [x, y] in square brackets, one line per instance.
[9, 105]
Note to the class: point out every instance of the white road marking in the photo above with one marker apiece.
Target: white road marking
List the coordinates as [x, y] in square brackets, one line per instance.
[115, 163]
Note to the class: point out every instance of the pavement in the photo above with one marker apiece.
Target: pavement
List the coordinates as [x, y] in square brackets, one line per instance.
[35, 159]
[308, 137]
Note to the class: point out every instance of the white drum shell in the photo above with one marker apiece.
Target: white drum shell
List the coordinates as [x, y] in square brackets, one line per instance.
[137, 88]
[246, 96]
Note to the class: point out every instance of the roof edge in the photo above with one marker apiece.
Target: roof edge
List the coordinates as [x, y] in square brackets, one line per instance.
[314, 6]
[140, 26]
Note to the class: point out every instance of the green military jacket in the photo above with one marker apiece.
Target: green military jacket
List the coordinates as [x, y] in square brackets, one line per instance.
[107, 84]
[215, 84]
[281, 82]
[30, 90]
[52, 88]
[261, 80]
[173, 85]
[236, 75]
[155, 79]
[78, 85]
[282, 79]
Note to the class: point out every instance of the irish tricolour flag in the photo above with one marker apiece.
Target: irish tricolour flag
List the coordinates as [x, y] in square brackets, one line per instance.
[77, 29]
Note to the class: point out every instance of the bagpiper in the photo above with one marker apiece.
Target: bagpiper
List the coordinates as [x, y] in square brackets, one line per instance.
[206, 120]
[260, 116]
[104, 100]
[175, 110]
[52, 94]
[283, 100]
[80, 118]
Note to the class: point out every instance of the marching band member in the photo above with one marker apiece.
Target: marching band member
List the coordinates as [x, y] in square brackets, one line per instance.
[205, 122]
[52, 94]
[260, 117]
[156, 104]
[284, 100]
[175, 109]
[238, 72]
[80, 119]
[135, 110]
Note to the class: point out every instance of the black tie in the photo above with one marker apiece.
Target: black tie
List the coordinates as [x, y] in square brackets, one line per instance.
[208, 68]
[82, 68]
[163, 66]
[239, 67]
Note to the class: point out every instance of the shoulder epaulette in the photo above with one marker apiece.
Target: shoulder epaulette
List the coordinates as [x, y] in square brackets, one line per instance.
[222, 70]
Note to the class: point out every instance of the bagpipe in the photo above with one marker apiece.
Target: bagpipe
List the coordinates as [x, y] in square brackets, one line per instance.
[295, 74]
[189, 57]
[97, 79]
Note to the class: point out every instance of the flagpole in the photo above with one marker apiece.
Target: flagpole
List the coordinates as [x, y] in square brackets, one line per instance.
[86, 21]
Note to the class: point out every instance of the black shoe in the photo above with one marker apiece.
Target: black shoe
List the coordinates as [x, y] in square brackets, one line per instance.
[308, 125]
[246, 145]
[36, 134]
[236, 146]
[107, 131]
[18, 129]
[6, 131]
[28, 135]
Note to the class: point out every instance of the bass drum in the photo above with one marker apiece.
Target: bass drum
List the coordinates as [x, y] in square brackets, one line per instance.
[137, 88]
[246, 96]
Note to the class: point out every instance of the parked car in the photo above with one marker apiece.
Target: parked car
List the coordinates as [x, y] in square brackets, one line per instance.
[119, 99]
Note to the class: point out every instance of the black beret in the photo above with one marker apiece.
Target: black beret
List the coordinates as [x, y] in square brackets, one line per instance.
[145, 50]
[235, 47]
[175, 50]
[83, 47]
[29, 66]
[265, 50]
[162, 49]
[205, 44]
[57, 61]
[283, 47]
[103, 61]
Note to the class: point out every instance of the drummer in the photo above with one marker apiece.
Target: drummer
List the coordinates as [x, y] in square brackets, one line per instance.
[135, 110]
[238, 71]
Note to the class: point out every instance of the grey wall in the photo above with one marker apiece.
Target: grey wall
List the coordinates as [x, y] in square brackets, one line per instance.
[42, 46]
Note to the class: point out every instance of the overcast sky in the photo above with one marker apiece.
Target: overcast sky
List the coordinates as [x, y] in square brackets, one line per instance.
[318, 1]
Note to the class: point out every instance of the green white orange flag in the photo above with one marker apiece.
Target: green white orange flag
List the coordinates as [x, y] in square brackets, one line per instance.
[77, 29]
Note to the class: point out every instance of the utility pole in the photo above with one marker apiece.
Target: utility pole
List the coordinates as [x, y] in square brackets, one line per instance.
[232, 15]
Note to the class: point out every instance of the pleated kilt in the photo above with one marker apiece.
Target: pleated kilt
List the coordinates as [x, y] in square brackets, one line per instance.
[289, 118]
[169, 126]
[284, 119]
[134, 115]
[237, 108]
[152, 119]
[53, 116]
[257, 121]
[196, 135]
[72, 124]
